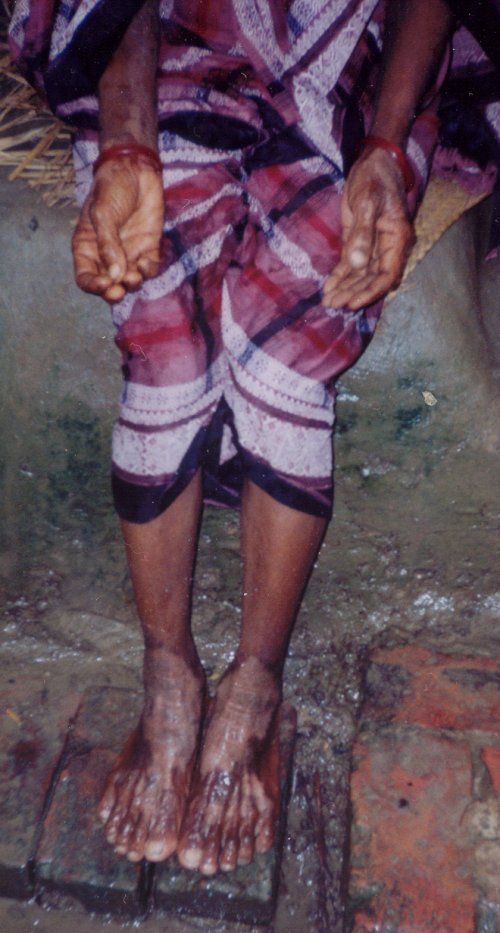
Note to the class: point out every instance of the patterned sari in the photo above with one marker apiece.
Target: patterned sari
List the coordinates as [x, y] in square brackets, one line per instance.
[230, 356]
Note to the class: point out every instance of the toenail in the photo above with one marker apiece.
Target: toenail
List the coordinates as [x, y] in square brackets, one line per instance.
[134, 857]
[154, 851]
[191, 858]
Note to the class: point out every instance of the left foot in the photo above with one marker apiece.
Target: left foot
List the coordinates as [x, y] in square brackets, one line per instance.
[233, 806]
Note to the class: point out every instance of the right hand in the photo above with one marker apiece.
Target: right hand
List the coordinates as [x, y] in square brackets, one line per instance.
[116, 243]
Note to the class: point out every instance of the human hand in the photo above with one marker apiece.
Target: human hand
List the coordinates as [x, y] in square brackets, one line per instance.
[116, 243]
[377, 233]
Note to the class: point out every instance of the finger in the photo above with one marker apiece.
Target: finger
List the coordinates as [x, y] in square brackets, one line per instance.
[93, 283]
[114, 293]
[111, 252]
[367, 290]
[132, 279]
[338, 290]
[86, 260]
[360, 241]
[359, 291]
[393, 249]
[149, 265]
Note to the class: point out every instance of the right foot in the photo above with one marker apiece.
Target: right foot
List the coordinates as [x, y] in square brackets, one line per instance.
[144, 800]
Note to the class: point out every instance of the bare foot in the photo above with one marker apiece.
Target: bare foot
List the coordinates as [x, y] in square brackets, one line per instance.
[145, 796]
[232, 810]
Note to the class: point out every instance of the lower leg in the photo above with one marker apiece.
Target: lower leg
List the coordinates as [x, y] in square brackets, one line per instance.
[236, 795]
[279, 546]
[144, 799]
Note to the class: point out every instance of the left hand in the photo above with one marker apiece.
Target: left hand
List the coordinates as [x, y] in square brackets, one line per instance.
[377, 233]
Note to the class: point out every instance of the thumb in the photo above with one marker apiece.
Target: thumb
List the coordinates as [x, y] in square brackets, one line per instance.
[360, 240]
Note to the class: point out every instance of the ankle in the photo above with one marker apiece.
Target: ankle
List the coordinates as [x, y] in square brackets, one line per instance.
[262, 663]
[163, 662]
[251, 676]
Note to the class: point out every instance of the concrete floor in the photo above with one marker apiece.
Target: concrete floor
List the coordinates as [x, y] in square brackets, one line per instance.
[410, 557]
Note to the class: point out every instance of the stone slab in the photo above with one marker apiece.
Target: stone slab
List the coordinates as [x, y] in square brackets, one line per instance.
[248, 894]
[413, 685]
[31, 739]
[412, 861]
[73, 858]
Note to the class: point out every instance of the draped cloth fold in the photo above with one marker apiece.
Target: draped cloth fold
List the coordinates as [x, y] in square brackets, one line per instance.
[229, 355]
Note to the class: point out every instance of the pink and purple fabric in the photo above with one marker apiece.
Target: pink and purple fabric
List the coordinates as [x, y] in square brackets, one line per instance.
[230, 356]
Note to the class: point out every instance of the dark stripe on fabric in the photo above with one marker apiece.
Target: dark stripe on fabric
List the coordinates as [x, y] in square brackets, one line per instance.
[77, 70]
[482, 19]
[281, 148]
[319, 504]
[211, 130]
[222, 482]
[310, 188]
[141, 503]
[463, 123]
[280, 323]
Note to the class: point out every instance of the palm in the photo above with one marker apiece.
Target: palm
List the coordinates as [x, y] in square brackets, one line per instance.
[376, 235]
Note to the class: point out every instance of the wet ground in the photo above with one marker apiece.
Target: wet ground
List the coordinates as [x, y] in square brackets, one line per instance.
[409, 558]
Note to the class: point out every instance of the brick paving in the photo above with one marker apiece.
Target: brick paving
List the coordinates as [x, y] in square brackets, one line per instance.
[31, 740]
[425, 794]
[53, 770]
[425, 799]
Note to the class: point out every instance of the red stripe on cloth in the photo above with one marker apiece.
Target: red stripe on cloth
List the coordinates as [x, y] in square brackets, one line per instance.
[330, 235]
[150, 338]
[265, 284]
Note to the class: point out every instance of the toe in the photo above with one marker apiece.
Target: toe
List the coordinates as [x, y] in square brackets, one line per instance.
[190, 853]
[137, 840]
[248, 820]
[158, 850]
[107, 801]
[229, 856]
[264, 828]
[122, 819]
[229, 839]
[209, 862]
[163, 834]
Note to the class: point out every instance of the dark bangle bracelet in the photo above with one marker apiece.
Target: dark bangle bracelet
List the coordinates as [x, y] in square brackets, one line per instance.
[133, 151]
[400, 157]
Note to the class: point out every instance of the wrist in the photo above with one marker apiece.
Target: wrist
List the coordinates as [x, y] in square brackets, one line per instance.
[125, 120]
[396, 153]
[126, 139]
[133, 151]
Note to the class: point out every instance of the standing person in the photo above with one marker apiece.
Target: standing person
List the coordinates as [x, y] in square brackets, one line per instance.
[245, 276]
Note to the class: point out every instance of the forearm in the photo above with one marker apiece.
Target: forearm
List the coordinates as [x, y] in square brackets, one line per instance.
[415, 37]
[127, 89]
